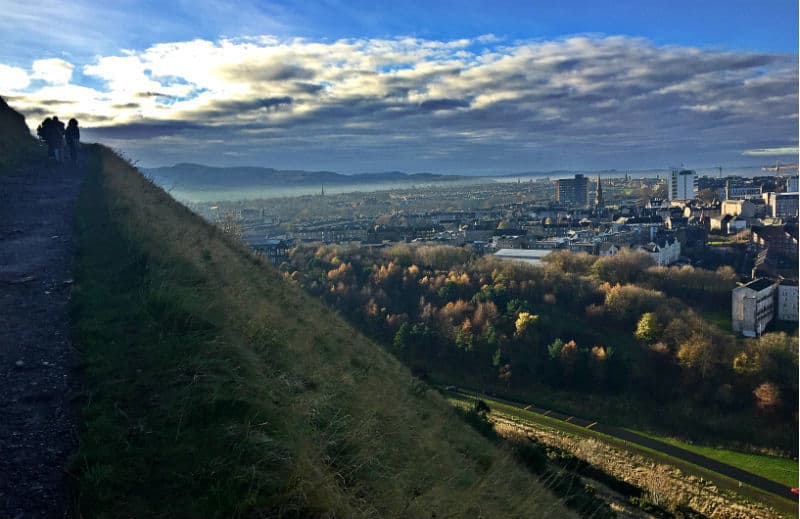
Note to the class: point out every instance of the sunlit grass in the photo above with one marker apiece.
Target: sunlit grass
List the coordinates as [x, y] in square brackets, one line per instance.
[782, 470]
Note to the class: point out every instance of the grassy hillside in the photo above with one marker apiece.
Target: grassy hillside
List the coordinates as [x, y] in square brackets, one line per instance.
[216, 389]
[16, 141]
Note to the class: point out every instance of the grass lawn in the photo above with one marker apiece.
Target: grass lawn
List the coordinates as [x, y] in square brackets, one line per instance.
[782, 470]
[722, 318]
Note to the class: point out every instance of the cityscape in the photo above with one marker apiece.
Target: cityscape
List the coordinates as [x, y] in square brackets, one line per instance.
[679, 220]
[341, 259]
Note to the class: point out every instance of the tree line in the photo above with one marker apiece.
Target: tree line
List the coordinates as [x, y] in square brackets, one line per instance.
[578, 323]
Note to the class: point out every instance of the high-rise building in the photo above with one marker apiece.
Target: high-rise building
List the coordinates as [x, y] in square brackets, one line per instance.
[573, 191]
[682, 184]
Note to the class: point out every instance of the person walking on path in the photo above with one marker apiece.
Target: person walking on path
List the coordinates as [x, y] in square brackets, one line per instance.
[45, 131]
[57, 135]
[73, 136]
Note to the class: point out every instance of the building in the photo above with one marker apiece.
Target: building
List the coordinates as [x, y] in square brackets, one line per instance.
[739, 190]
[277, 251]
[607, 249]
[782, 205]
[787, 300]
[682, 184]
[599, 203]
[743, 208]
[728, 224]
[531, 256]
[573, 191]
[663, 253]
[780, 240]
[792, 184]
[753, 307]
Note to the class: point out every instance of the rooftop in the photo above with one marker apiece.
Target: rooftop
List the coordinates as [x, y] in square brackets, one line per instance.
[759, 284]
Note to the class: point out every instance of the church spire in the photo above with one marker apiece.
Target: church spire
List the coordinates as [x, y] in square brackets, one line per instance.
[598, 198]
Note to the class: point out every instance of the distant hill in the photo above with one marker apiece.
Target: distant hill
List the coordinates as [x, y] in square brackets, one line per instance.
[199, 176]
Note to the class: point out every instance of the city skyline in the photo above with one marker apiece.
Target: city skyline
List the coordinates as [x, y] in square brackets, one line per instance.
[339, 86]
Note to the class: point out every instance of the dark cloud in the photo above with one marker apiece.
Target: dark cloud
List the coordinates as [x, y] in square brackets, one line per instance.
[54, 102]
[443, 104]
[141, 130]
[145, 95]
[250, 72]
[123, 106]
[225, 108]
[306, 88]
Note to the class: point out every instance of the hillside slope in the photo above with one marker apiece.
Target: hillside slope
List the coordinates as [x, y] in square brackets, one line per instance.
[15, 136]
[217, 389]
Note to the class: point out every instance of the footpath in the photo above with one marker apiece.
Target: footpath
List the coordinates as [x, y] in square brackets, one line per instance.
[734, 473]
[37, 362]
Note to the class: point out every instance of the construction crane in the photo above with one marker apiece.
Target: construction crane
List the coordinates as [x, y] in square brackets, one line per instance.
[778, 167]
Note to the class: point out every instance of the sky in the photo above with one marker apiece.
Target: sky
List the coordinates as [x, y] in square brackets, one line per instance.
[448, 87]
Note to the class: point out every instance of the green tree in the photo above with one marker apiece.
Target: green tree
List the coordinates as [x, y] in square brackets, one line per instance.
[554, 349]
[401, 337]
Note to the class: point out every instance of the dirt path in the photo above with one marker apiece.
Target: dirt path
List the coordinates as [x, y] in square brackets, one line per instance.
[37, 385]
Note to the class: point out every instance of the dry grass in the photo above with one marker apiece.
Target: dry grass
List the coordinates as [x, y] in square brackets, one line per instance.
[665, 485]
[216, 389]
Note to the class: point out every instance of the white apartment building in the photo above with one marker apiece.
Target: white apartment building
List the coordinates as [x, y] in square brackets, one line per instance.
[663, 254]
[753, 307]
[682, 184]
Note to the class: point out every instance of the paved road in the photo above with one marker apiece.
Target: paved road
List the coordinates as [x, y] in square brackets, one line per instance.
[732, 472]
[37, 425]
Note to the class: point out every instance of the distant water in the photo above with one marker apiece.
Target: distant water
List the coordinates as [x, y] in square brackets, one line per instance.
[255, 192]
[739, 171]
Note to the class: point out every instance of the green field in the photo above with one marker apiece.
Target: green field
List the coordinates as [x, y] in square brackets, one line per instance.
[782, 470]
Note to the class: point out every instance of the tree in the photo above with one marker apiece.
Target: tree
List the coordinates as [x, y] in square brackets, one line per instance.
[554, 349]
[768, 397]
[648, 328]
[465, 340]
[401, 337]
[598, 364]
[701, 354]
[525, 321]
[707, 195]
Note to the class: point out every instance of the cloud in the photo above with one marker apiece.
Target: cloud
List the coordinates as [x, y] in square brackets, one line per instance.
[477, 103]
[55, 71]
[13, 79]
[772, 152]
[443, 104]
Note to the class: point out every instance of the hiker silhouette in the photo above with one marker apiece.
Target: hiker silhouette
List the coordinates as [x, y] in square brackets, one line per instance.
[51, 131]
[43, 131]
[73, 136]
[57, 136]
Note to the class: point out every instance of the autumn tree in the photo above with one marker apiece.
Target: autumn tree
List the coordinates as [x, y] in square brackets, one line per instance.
[701, 353]
[768, 397]
[648, 328]
[524, 323]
